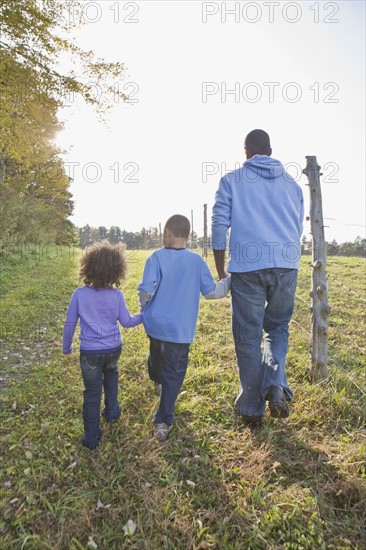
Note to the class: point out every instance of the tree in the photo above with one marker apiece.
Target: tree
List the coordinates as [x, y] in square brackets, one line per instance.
[103, 232]
[115, 235]
[143, 239]
[305, 245]
[359, 246]
[193, 240]
[35, 197]
[332, 248]
[85, 234]
[129, 238]
[35, 34]
[36, 201]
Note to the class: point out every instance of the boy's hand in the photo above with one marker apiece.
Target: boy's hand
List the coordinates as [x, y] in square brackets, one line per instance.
[221, 289]
[144, 298]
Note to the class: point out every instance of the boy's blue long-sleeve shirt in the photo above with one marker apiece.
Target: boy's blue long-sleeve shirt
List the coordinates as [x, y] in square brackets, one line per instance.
[263, 206]
[98, 311]
[176, 278]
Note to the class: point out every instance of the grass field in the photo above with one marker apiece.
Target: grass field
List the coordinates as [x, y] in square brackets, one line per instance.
[296, 484]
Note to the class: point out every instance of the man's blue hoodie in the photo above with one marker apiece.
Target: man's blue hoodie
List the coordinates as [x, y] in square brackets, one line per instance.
[263, 206]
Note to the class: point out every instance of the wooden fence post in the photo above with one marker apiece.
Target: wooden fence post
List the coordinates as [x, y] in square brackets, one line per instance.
[319, 292]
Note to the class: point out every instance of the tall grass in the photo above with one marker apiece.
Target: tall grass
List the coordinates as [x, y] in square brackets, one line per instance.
[296, 484]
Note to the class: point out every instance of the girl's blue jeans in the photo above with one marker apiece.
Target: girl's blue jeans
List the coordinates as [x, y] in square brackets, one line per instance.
[167, 366]
[262, 307]
[99, 370]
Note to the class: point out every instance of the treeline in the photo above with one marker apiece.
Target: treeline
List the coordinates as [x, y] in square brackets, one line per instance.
[35, 198]
[140, 240]
[148, 238]
[355, 248]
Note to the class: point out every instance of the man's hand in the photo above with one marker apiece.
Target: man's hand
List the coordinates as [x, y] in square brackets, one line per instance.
[219, 256]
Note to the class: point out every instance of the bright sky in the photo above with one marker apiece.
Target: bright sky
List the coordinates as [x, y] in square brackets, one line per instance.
[294, 69]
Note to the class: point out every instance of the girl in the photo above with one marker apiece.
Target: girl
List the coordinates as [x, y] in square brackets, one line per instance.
[99, 306]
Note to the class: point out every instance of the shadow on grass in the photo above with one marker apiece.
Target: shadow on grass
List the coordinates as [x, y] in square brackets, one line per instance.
[213, 484]
[340, 499]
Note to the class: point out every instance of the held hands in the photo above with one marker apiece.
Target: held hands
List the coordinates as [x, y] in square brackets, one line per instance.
[223, 275]
[222, 288]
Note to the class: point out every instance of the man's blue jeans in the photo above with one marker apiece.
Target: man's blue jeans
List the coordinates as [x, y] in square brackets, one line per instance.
[167, 366]
[262, 307]
[99, 370]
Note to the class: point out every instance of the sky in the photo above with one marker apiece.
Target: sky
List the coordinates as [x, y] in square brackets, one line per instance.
[201, 75]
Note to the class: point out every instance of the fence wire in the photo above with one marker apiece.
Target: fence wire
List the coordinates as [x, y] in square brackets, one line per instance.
[361, 350]
[347, 288]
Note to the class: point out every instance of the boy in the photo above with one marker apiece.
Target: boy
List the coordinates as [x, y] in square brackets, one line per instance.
[169, 293]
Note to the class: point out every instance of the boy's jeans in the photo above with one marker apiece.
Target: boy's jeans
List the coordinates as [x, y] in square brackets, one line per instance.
[262, 306]
[167, 366]
[99, 370]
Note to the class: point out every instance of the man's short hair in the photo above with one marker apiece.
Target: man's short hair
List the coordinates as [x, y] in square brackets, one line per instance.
[179, 226]
[258, 143]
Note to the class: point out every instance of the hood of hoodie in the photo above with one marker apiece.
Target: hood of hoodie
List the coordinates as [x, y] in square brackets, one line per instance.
[264, 166]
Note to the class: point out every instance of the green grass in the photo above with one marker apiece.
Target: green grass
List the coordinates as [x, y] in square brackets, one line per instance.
[296, 484]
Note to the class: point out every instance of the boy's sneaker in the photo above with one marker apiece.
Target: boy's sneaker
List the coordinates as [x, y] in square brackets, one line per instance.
[162, 430]
[157, 388]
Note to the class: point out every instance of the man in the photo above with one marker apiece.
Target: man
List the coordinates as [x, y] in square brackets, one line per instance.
[263, 206]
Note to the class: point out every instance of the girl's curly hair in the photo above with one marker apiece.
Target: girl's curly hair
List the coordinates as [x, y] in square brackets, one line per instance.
[103, 265]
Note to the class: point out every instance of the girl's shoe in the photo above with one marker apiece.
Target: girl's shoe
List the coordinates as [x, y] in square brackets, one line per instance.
[108, 419]
[92, 447]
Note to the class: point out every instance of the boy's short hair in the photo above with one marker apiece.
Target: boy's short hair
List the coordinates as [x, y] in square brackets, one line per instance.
[179, 226]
